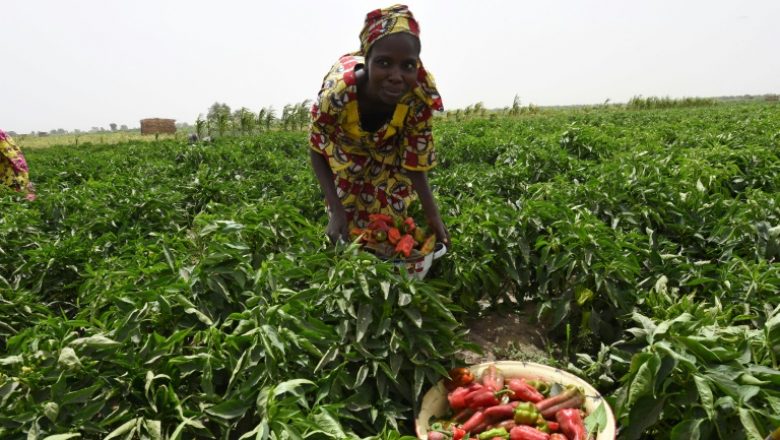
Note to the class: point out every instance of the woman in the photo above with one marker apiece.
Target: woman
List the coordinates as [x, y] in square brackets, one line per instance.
[371, 141]
[13, 167]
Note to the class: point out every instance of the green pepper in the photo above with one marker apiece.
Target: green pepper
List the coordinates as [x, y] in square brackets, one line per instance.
[541, 424]
[541, 386]
[526, 414]
[493, 433]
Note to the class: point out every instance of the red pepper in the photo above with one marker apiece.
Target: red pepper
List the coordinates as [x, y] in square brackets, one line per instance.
[380, 217]
[523, 432]
[457, 398]
[558, 436]
[572, 424]
[462, 415]
[409, 225]
[436, 435]
[506, 424]
[458, 377]
[473, 422]
[405, 245]
[499, 412]
[458, 433]
[393, 235]
[492, 377]
[554, 427]
[482, 398]
[522, 390]
[572, 397]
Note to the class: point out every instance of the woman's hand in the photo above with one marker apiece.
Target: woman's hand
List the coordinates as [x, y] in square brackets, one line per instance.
[442, 234]
[337, 226]
[420, 182]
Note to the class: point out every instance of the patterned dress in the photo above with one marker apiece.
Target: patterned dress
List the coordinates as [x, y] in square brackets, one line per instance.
[13, 168]
[370, 167]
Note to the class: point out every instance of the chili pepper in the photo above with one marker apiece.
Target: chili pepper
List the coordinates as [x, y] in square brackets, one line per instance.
[380, 236]
[478, 418]
[558, 436]
[419, 235]
[524, 391]
[499, 412]
[492, 433]
[428, 245]
[380, 217]
[356, 231]
[457, 398]
[492, 377]
[393, 235]
[378, 225]
[526, 414]
[506, 424]
[572, 397]
[436, 435]
[523, 432]
[482, 398]
[541, 424]
[405, 245]
[458, 377]
[540, 385]
[458, 433]
[554, 426]
[409, 225]
[463, 415]
[571, 424]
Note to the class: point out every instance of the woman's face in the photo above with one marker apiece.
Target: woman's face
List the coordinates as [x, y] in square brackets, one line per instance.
[392, 67]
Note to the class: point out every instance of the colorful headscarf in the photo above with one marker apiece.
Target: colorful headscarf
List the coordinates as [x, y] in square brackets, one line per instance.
[383, 22]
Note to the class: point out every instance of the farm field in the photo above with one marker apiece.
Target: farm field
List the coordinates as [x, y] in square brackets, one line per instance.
[161, 290]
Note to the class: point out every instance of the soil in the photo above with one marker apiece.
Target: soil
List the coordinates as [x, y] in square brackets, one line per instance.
[508, 336]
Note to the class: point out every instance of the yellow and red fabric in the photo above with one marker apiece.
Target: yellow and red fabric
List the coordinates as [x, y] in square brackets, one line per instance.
[14, 172]
[383, 22]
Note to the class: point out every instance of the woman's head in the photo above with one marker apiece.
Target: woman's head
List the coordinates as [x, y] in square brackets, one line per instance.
[380, 23]
[391, 45]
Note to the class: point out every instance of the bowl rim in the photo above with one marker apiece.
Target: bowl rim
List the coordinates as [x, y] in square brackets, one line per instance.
[608, 432]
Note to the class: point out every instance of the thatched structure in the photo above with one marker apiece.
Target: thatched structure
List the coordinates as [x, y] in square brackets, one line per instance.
[158, 125]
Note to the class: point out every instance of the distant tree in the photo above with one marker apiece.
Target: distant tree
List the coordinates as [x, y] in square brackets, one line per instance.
[269, 117]
[77, 131]
[123, 127]
[200, 127]
[219, 117]
[12, 133]
[244, 119]
[113, 126]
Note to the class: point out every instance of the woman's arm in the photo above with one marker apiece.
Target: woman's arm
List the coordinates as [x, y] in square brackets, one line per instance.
[420, 182]
[337, 223]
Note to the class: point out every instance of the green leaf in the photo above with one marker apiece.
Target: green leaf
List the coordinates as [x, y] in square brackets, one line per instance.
[687, 430]
[597, 420]
[404, 299]
[705, 395]
[51, 410]
[98, 341]
[68, 359]
[749, 424]
[153, 428]
[62, 436]
[229, 409]
[364, 319]
[290, 385]
[126, 427]
[200, 315]
[643, 382]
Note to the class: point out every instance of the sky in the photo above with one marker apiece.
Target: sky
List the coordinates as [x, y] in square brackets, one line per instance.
[79, 64]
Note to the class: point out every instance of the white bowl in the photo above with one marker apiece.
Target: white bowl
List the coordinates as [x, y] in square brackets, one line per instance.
[435, 404]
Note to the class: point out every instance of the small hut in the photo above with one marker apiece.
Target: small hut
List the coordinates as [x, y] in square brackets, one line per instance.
[158, 125]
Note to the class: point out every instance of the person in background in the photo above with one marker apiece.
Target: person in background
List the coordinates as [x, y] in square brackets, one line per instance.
[371, 143]
[14, 172]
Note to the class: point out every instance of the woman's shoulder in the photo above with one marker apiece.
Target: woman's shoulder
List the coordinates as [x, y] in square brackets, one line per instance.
[339, 86]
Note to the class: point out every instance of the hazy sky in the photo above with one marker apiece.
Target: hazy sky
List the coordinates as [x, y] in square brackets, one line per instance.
[84, 63]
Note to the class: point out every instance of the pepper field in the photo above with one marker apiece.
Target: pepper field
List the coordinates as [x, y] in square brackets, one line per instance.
[160, 290]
